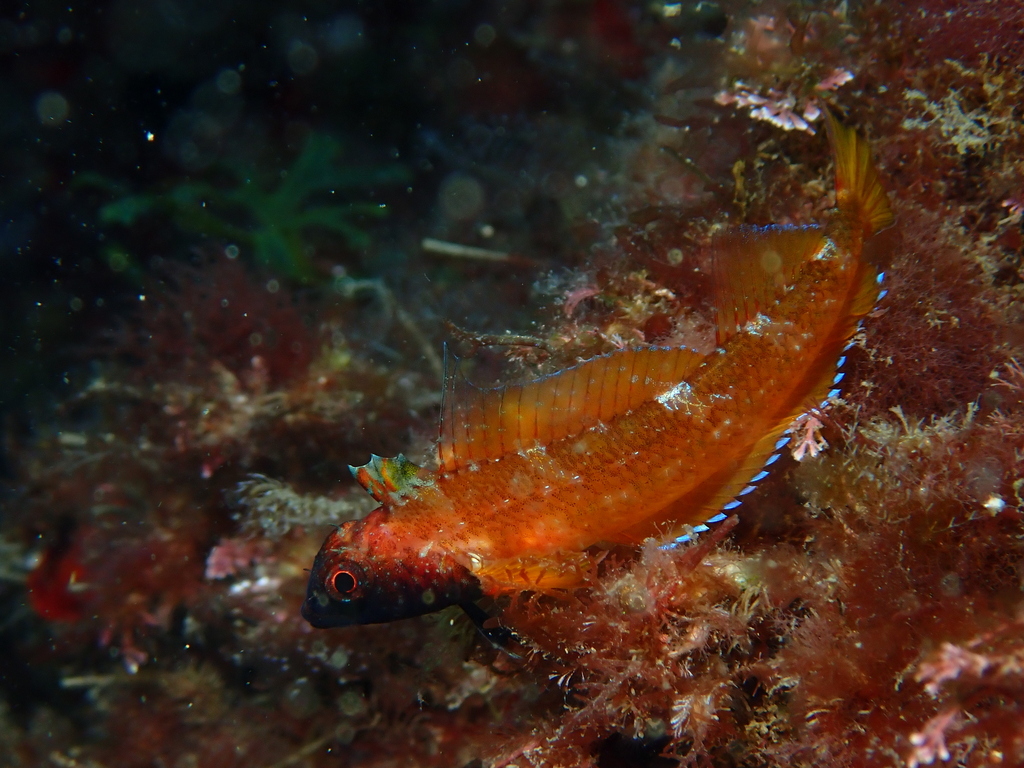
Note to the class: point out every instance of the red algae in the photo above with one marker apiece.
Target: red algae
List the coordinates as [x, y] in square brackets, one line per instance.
[939, 348]
[862, 607]
[970, 33]
[221, 313]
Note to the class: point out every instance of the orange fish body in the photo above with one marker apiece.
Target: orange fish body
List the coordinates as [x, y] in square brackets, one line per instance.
[617, 448]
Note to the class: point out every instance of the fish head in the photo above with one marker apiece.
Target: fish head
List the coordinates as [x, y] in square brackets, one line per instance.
[360, 577]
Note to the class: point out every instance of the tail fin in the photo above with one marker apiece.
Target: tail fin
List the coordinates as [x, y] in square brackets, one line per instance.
[859, 194]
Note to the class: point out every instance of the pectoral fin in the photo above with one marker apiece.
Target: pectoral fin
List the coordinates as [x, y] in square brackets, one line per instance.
[540, 573]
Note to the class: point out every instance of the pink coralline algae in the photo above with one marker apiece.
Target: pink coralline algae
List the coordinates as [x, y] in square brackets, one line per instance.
[782, 109]
[779, 109]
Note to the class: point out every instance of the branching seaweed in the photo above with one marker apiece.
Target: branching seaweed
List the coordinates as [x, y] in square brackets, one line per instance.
[273, 219]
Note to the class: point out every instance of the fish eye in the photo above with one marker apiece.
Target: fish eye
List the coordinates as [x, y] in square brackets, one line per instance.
[342, 583]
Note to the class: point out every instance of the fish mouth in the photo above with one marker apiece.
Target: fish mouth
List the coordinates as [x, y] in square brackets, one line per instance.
[310, 615]
[323, 613]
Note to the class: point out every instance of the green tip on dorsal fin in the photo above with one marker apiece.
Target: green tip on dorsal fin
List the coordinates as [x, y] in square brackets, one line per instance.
[389, 479]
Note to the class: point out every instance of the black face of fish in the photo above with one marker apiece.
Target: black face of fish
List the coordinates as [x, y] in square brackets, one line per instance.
[348, 586]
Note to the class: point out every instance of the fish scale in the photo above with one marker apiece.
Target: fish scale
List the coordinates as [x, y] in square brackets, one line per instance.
[615, 449]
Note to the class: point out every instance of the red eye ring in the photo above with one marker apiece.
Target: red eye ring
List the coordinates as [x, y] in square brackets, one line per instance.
[343, 582]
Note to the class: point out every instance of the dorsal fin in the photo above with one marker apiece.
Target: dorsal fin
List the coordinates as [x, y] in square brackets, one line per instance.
[481, 424]
[388, 479]
[752, 268]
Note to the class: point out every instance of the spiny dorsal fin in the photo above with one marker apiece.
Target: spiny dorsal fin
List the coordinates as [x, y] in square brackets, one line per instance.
[752, 268]
[481, 424]
[389, 479]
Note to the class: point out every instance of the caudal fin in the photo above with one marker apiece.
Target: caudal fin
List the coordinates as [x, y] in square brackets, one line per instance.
[859, 194]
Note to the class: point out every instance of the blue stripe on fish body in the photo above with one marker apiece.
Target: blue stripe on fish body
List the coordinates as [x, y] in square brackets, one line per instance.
[841, 362]
[782, 442]
[838, 377]
[772, 459]
[717, 518]
[759, 476]
[880, 278]
[732, 504]
[685, 537]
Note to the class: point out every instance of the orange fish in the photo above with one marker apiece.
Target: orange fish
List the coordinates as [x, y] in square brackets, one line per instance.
[632, 444]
